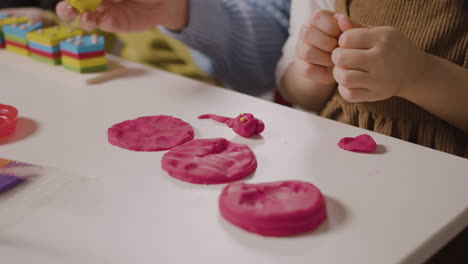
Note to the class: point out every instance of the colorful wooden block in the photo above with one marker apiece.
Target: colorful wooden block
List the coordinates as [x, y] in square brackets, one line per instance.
[84, 54]
[85, 5]
[15, 36]
[7, 20]
[44, 44]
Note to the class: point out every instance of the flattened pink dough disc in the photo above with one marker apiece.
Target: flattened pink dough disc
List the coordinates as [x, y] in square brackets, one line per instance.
[362, 143]
[209, 161]
[273, 209]
[150, 133]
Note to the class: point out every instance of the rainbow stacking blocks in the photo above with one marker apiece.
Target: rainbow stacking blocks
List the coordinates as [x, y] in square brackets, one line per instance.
[15, 36]
[84, 54]
[44, 44]
[7, 20]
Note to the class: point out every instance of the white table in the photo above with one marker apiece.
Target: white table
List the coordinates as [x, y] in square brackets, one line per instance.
[399, 206]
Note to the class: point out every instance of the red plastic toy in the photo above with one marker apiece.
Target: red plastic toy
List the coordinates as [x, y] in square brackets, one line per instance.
[8, 120]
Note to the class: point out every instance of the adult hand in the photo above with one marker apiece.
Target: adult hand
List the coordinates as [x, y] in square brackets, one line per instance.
[130, 15]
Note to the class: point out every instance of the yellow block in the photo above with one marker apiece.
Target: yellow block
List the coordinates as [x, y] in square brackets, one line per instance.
[52, 36]
[17, 50]
[86, 63]
[12, 20]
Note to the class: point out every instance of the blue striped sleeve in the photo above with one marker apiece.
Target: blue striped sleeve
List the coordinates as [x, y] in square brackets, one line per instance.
[243, 38]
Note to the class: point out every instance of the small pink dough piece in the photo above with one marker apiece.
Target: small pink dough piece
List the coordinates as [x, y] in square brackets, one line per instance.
[150, 133]
[245, 125]
[362, 143]
[210, 161]
[283, 208]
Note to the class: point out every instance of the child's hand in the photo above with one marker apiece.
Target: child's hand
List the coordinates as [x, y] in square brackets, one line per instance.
[130, 15]
[315, 45]
[373, 64]
[34, 14]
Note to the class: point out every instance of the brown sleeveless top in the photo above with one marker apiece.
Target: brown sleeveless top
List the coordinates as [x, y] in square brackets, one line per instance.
[438, 27]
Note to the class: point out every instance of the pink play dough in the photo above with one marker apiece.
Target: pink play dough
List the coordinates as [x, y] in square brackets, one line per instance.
[210, 161]
[362, 143]
[283, 208]
[150, 133]
[245, 125]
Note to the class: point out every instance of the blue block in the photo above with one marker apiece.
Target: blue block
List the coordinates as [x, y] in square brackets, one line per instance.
[21, 30]
[3, 15]
[86, 44]
[44, 48]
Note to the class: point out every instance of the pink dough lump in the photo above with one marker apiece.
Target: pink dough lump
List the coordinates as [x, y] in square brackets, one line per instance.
[245, 125]
[362, 143]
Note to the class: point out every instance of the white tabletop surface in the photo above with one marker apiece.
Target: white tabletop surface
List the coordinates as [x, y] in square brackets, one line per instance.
[397, 206]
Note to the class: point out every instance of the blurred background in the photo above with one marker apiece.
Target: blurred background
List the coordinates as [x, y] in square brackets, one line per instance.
[47, 4]
[153, 47]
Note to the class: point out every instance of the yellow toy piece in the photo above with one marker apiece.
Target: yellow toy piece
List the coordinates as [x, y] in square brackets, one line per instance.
[85, 5]
[12, 20]
[86, 63]
[52, 36]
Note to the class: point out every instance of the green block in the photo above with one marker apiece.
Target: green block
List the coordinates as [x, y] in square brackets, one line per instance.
[16, 39]
[99, 68]
[57, 61]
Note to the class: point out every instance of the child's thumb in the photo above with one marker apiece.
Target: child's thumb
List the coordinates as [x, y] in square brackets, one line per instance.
[345, 23]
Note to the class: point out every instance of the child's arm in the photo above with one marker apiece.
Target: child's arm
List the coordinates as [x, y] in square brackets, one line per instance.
[308, 81]
[374, 64]
[442, 89]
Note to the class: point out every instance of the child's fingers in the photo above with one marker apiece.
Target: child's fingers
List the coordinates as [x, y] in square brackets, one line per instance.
[358, 38]
[354, 95]
[355, 59]
[345, 23]
[314, 55]
[314, 72]
[65, 11]
[351, 78]
[323, 20]
[89, 21]
[314, 37]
